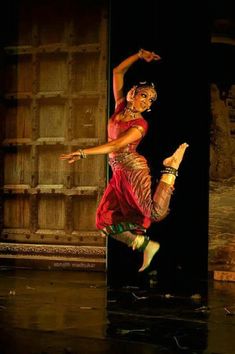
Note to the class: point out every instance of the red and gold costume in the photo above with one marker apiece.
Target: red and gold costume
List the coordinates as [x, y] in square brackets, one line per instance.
[127, 203]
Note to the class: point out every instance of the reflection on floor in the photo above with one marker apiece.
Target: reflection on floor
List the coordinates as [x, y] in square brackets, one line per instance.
[44, 312]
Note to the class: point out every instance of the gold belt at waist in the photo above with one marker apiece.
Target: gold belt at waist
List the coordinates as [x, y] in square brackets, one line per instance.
[129, 160]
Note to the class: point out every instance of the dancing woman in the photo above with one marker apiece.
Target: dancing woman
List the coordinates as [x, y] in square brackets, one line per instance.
[127, 207]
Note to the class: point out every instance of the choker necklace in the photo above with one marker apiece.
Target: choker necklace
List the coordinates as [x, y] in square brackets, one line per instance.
[131, 113]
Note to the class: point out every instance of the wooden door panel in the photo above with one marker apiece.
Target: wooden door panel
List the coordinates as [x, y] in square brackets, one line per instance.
[89, 172]
[16, 212]
[18, 75]
[17, 166]
[85, 117]
[84, 72]
[55, 101]
[52, 119]
[50, 168]
[83, 213]
[51, 212]
[18, 122]
[52, 73]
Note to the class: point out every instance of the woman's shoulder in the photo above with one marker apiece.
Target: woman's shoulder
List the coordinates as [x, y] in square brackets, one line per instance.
[140, 121]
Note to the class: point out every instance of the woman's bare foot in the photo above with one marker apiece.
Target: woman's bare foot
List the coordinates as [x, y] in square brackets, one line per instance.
[149, 252]
[175, 159]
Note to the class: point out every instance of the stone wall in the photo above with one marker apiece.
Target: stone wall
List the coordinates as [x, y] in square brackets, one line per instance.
[222, 187]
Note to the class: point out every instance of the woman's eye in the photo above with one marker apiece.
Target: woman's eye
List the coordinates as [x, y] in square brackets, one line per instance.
[144, 95]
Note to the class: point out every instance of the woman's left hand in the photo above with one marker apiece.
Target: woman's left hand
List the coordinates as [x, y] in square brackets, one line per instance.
[148, 56]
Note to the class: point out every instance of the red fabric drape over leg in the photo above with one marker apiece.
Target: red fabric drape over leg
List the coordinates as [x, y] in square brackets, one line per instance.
[128, 198]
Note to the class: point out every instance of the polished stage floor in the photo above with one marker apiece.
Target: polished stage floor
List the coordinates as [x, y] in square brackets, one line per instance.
[68, 312]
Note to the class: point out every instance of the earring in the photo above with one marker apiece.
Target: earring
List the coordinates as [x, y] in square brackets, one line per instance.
[149, 110]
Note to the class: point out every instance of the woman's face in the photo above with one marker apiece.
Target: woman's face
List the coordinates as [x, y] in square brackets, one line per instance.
[143, 99]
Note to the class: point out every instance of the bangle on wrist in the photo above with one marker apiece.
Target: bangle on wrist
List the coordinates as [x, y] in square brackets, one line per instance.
[82, 154]
[140, 53]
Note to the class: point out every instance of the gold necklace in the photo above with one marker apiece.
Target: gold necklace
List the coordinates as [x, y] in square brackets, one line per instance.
[131, 113]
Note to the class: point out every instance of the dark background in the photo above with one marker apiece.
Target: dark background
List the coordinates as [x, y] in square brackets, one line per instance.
[180, 34]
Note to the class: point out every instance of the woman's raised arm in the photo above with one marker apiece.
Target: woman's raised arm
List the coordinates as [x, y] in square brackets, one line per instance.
[120, 70]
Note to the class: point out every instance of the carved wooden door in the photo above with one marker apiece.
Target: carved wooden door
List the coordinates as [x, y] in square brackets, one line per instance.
[54, 101]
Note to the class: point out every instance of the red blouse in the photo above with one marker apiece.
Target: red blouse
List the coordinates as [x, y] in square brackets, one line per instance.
[117, 127]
